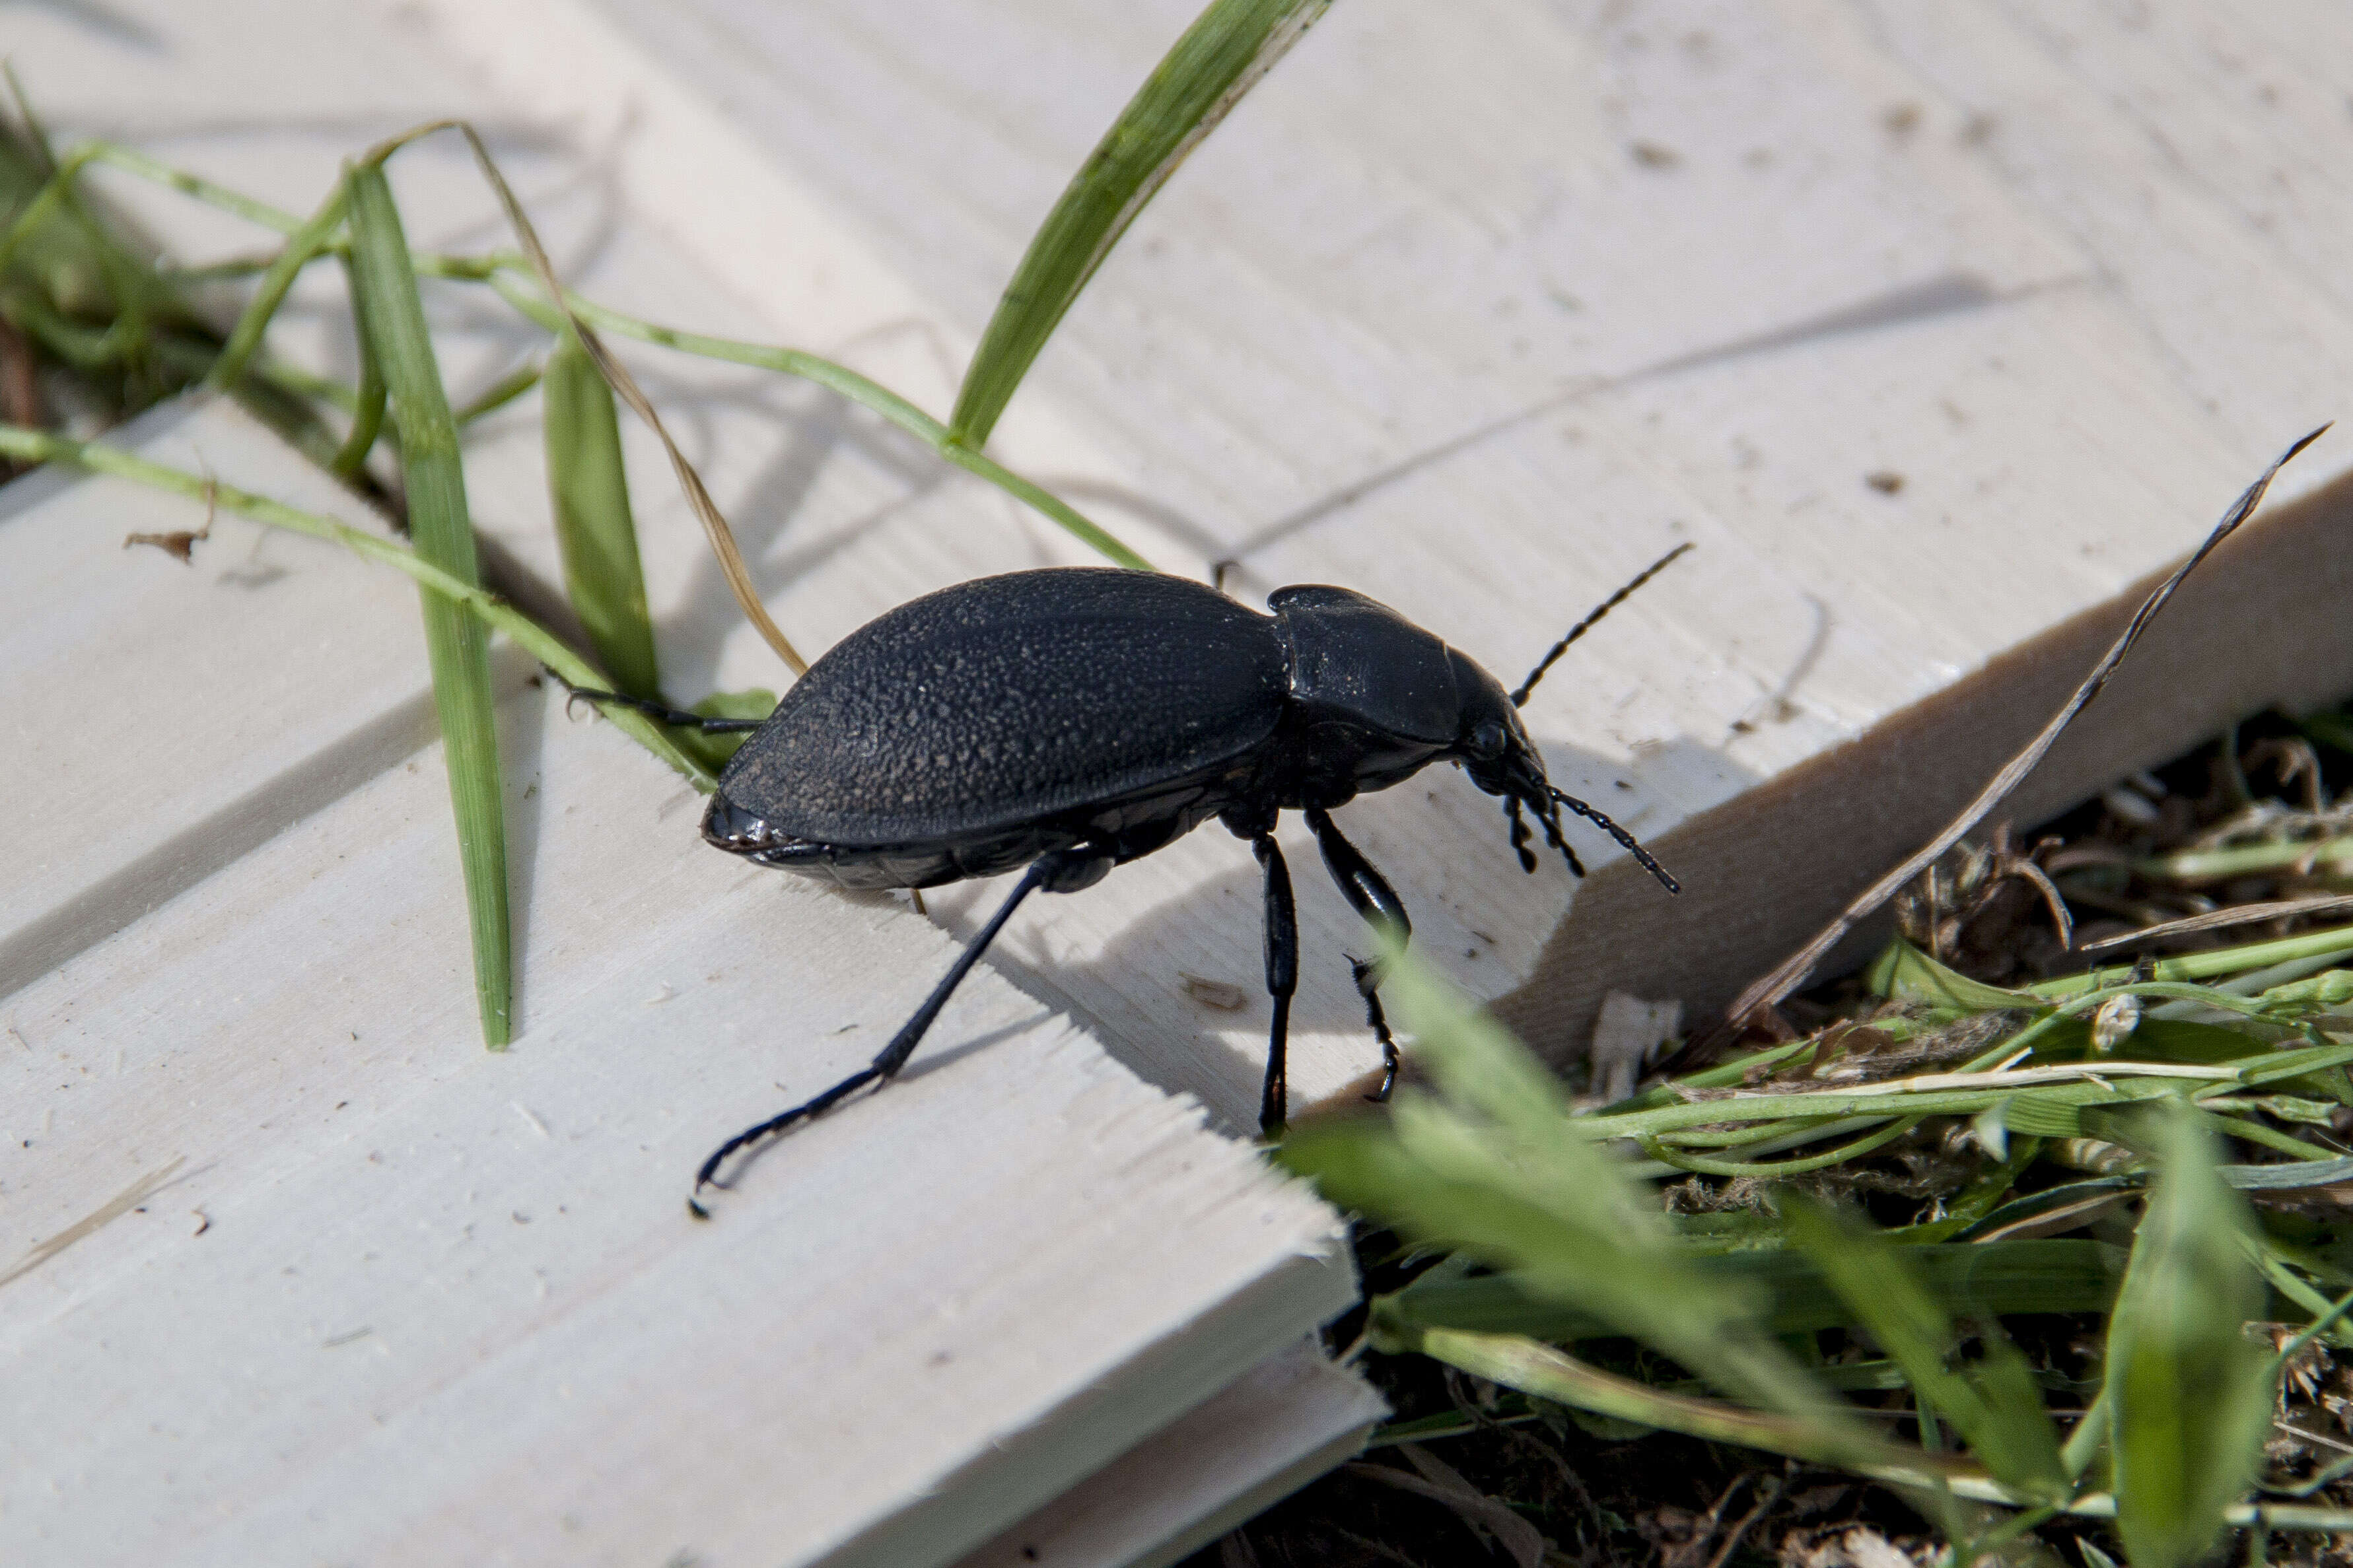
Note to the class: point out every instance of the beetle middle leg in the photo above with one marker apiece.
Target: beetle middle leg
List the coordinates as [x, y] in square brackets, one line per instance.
[1282, 981]
[1058, 871]
[1370, 895]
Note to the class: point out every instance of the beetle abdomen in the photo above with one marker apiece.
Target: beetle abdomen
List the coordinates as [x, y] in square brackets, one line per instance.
[1010, 701]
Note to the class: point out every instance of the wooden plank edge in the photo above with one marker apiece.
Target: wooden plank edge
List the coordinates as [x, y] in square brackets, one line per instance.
[1277, 1426]
[2260, 625]
[1161, 1386]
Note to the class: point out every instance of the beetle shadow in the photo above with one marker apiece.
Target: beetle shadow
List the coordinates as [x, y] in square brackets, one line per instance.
[1176, 991]
[522, 738]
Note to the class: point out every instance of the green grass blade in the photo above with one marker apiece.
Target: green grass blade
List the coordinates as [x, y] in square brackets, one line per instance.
[367, 415]
[589, 486]
[1548, 1373]
[1222, 55]
[1905, 973]
[716, 750]
[500, 393]
[836, 378]
[307, 243]
[1791, 1293]
[2190, 1396]
[393, 317]
[1995, 1405]
[1500, 1170]
[496, 614]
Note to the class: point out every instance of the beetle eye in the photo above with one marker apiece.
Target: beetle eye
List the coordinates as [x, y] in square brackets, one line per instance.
[1487, 739]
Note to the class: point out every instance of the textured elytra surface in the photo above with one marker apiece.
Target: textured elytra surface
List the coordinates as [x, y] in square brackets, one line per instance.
[1002, 700]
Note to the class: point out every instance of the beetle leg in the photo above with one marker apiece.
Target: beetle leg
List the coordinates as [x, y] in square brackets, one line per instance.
[677, 717]
[1061, 870]
[1370, 895]
[1367, 976]
[1282, 980]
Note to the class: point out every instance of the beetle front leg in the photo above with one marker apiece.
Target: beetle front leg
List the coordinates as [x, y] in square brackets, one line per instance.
[1370, 895]
[1282, 981]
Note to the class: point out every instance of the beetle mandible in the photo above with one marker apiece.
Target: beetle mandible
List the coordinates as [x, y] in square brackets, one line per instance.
[1069, 719]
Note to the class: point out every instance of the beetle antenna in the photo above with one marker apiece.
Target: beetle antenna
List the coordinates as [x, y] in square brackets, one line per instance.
[1520, 698]
[1626, 840]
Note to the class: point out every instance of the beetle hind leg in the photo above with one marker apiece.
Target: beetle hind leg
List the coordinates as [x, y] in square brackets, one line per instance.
[1058, 872]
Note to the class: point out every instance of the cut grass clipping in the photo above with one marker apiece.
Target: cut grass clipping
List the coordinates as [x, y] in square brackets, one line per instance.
[91, 302]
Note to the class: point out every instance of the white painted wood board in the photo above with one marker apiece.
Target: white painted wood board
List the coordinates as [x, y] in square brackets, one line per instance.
[1477, 315]
[293, 1266]
[1246, 1444]
[1478, 308]
[1474, 308]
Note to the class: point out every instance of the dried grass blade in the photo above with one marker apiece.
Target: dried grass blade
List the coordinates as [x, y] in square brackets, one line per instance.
[1222, 55]
[393, 318]
[589, 484]
[1792, 971]
[837, 379]
[618, 376]
[2217, 920]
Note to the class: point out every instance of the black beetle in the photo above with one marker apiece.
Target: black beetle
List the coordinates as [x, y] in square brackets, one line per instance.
[1071, 719]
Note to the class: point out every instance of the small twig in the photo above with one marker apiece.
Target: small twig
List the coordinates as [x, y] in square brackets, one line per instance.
[1740, 1531]
[1792, 972]
[714, 524]
[2216, 920]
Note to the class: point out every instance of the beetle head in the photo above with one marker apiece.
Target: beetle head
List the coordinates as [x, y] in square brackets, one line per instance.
[1493, 748]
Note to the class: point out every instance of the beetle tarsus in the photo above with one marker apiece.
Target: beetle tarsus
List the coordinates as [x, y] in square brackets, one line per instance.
[1368, 980]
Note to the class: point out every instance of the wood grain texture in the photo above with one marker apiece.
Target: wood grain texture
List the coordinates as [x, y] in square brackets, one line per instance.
[1122, 1515]
[1918, 324]
[1940, 330]
[292, 1265]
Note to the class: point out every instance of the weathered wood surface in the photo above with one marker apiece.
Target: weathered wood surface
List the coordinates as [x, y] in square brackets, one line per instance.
[296, 1268]
[1478, 308]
